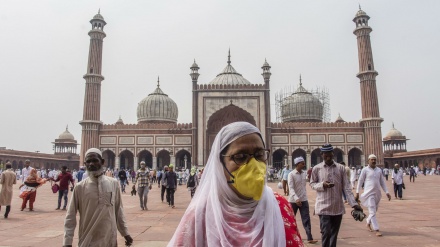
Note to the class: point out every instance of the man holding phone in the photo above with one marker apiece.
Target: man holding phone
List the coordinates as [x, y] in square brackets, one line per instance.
[328, 178]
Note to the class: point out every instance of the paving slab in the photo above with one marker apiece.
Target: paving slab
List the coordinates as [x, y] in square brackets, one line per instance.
[413, 221]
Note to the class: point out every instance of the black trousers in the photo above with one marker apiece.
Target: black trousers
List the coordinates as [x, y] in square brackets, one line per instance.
[398, 190]
[305, 217]
[330, 225]
[170, 196]
[8, 209]
[413, 177]
[163, 189]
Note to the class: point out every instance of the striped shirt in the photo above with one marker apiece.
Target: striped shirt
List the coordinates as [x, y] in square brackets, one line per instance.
[329, 200]
[143, 176]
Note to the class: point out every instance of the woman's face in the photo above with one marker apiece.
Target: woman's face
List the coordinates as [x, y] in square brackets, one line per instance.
[248, 144]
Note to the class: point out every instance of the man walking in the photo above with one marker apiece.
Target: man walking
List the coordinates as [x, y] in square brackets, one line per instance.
[143, 177]
[373, 180]
[397, 177]
[80, 174]
[284, 175]
[64, 178]
[98, 200]
[171, 181]
[162, 184]
[122, 175]
[328, 179]
[412, 174]
[353, 177]
[8, 179]
[298, 196]
[386, 172]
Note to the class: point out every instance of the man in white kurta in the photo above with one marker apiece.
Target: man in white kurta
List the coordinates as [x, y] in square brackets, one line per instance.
[98, 201]
[26, 170]
[353, 178]
[373, 180]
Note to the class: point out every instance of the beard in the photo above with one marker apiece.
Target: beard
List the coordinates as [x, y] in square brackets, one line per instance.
[95, 174]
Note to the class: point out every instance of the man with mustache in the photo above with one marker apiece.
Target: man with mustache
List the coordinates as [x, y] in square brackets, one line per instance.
[373, 180]
[98, 201]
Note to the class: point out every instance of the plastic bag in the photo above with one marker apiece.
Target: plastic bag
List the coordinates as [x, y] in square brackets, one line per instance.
[280, 185]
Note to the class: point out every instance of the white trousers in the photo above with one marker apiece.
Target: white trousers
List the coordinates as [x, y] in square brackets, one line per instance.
[353, 184]
[372, 209]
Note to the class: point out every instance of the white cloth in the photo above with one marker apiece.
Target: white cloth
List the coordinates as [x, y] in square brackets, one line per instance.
[373, 181]
[397, 177]
[353, 175]
[297, 186]
[205, 221]
[26, 172]
[98, 201]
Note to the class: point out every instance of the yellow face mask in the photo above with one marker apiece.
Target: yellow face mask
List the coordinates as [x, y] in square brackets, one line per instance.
[249, 179]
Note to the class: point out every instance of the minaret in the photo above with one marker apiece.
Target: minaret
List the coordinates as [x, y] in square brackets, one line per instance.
[266, 76]
[371, 119]
[195, 108]
[92, 100]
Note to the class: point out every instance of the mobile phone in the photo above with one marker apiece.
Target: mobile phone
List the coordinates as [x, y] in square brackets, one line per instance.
[331, 184]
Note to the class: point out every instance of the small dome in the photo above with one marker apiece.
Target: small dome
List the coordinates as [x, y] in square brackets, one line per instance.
[66, 135]
[120, 121]
[301, 106]
[394, 133]
[157, 107]
[360, 13]
[194, 65]
[266, 64]
[339, 119]
[98, 16]
[229, 76]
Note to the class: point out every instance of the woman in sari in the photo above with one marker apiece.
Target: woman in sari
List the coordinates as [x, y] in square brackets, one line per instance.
[29, 189]
[233, 206]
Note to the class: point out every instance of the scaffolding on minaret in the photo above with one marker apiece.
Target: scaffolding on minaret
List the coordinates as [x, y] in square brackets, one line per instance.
[320, 93]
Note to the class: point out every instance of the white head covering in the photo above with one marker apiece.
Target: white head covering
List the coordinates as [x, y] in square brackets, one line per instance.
[298, 159]
[372, 156]
[207, 220]
[93, 150]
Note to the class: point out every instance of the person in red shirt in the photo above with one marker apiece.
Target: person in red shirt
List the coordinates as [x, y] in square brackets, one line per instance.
[64, 179]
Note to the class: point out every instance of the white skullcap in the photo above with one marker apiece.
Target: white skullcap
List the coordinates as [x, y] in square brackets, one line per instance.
[94, 150]
[142, 162]
[298, 159]
[372, 156]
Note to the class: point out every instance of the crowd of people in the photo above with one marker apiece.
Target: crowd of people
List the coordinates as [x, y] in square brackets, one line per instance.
[231, 204]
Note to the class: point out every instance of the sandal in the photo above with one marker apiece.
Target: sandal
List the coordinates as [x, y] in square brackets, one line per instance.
[379, 234]
[369, 228]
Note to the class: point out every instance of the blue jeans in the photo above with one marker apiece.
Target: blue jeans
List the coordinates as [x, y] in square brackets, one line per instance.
[122, 185]
[305, 217]
[61, 194]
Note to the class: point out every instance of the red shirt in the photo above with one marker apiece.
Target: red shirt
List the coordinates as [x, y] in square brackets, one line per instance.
[64, 179]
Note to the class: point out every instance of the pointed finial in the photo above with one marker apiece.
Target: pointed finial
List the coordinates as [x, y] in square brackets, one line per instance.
[99, 11]
[194, 60]
[393, 124]
[265, 60]
[339, 114]
[67, 127]
[230, 101]
[300, 80]
[157, 81]
[360, 7]
[229, 56]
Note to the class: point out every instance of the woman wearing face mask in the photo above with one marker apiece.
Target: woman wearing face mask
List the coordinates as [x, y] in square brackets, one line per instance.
[237, 208]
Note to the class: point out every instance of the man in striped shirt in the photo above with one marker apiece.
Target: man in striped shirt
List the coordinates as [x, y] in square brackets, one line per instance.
[328, 178]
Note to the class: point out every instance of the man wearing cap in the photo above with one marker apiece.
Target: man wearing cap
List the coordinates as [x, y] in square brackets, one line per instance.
[26, 170]
[328, 178]
[284, 175]
[298, 196]
[98, 201]
[143, 181]
[372, 178]
[412, 174]
[397, 177]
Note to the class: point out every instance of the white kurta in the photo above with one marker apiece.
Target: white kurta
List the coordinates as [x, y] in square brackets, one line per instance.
[99, 204]
[373, 180]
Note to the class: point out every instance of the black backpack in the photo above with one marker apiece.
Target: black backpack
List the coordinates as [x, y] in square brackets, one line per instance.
[191, 181]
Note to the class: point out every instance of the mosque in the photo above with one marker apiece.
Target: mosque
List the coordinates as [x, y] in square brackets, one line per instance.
[158, 139]
[300, 130]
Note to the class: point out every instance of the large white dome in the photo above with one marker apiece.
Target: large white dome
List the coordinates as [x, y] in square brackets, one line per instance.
[229, 76]
[157, 107]
[301, 106]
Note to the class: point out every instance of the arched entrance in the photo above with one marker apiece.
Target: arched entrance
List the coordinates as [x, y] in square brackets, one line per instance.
[316, 157]
[338, 155]
[297, 153]
[126, 160]
[223, 117]
[278, 159]
[183, 159]
[163, 159]
[354, 157]
[109, 158]
[147, 157]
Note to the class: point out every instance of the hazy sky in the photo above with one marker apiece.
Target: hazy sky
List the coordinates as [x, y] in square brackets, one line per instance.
[44, 48]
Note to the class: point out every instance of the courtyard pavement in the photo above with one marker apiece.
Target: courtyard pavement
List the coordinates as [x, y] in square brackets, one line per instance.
[413, 221]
